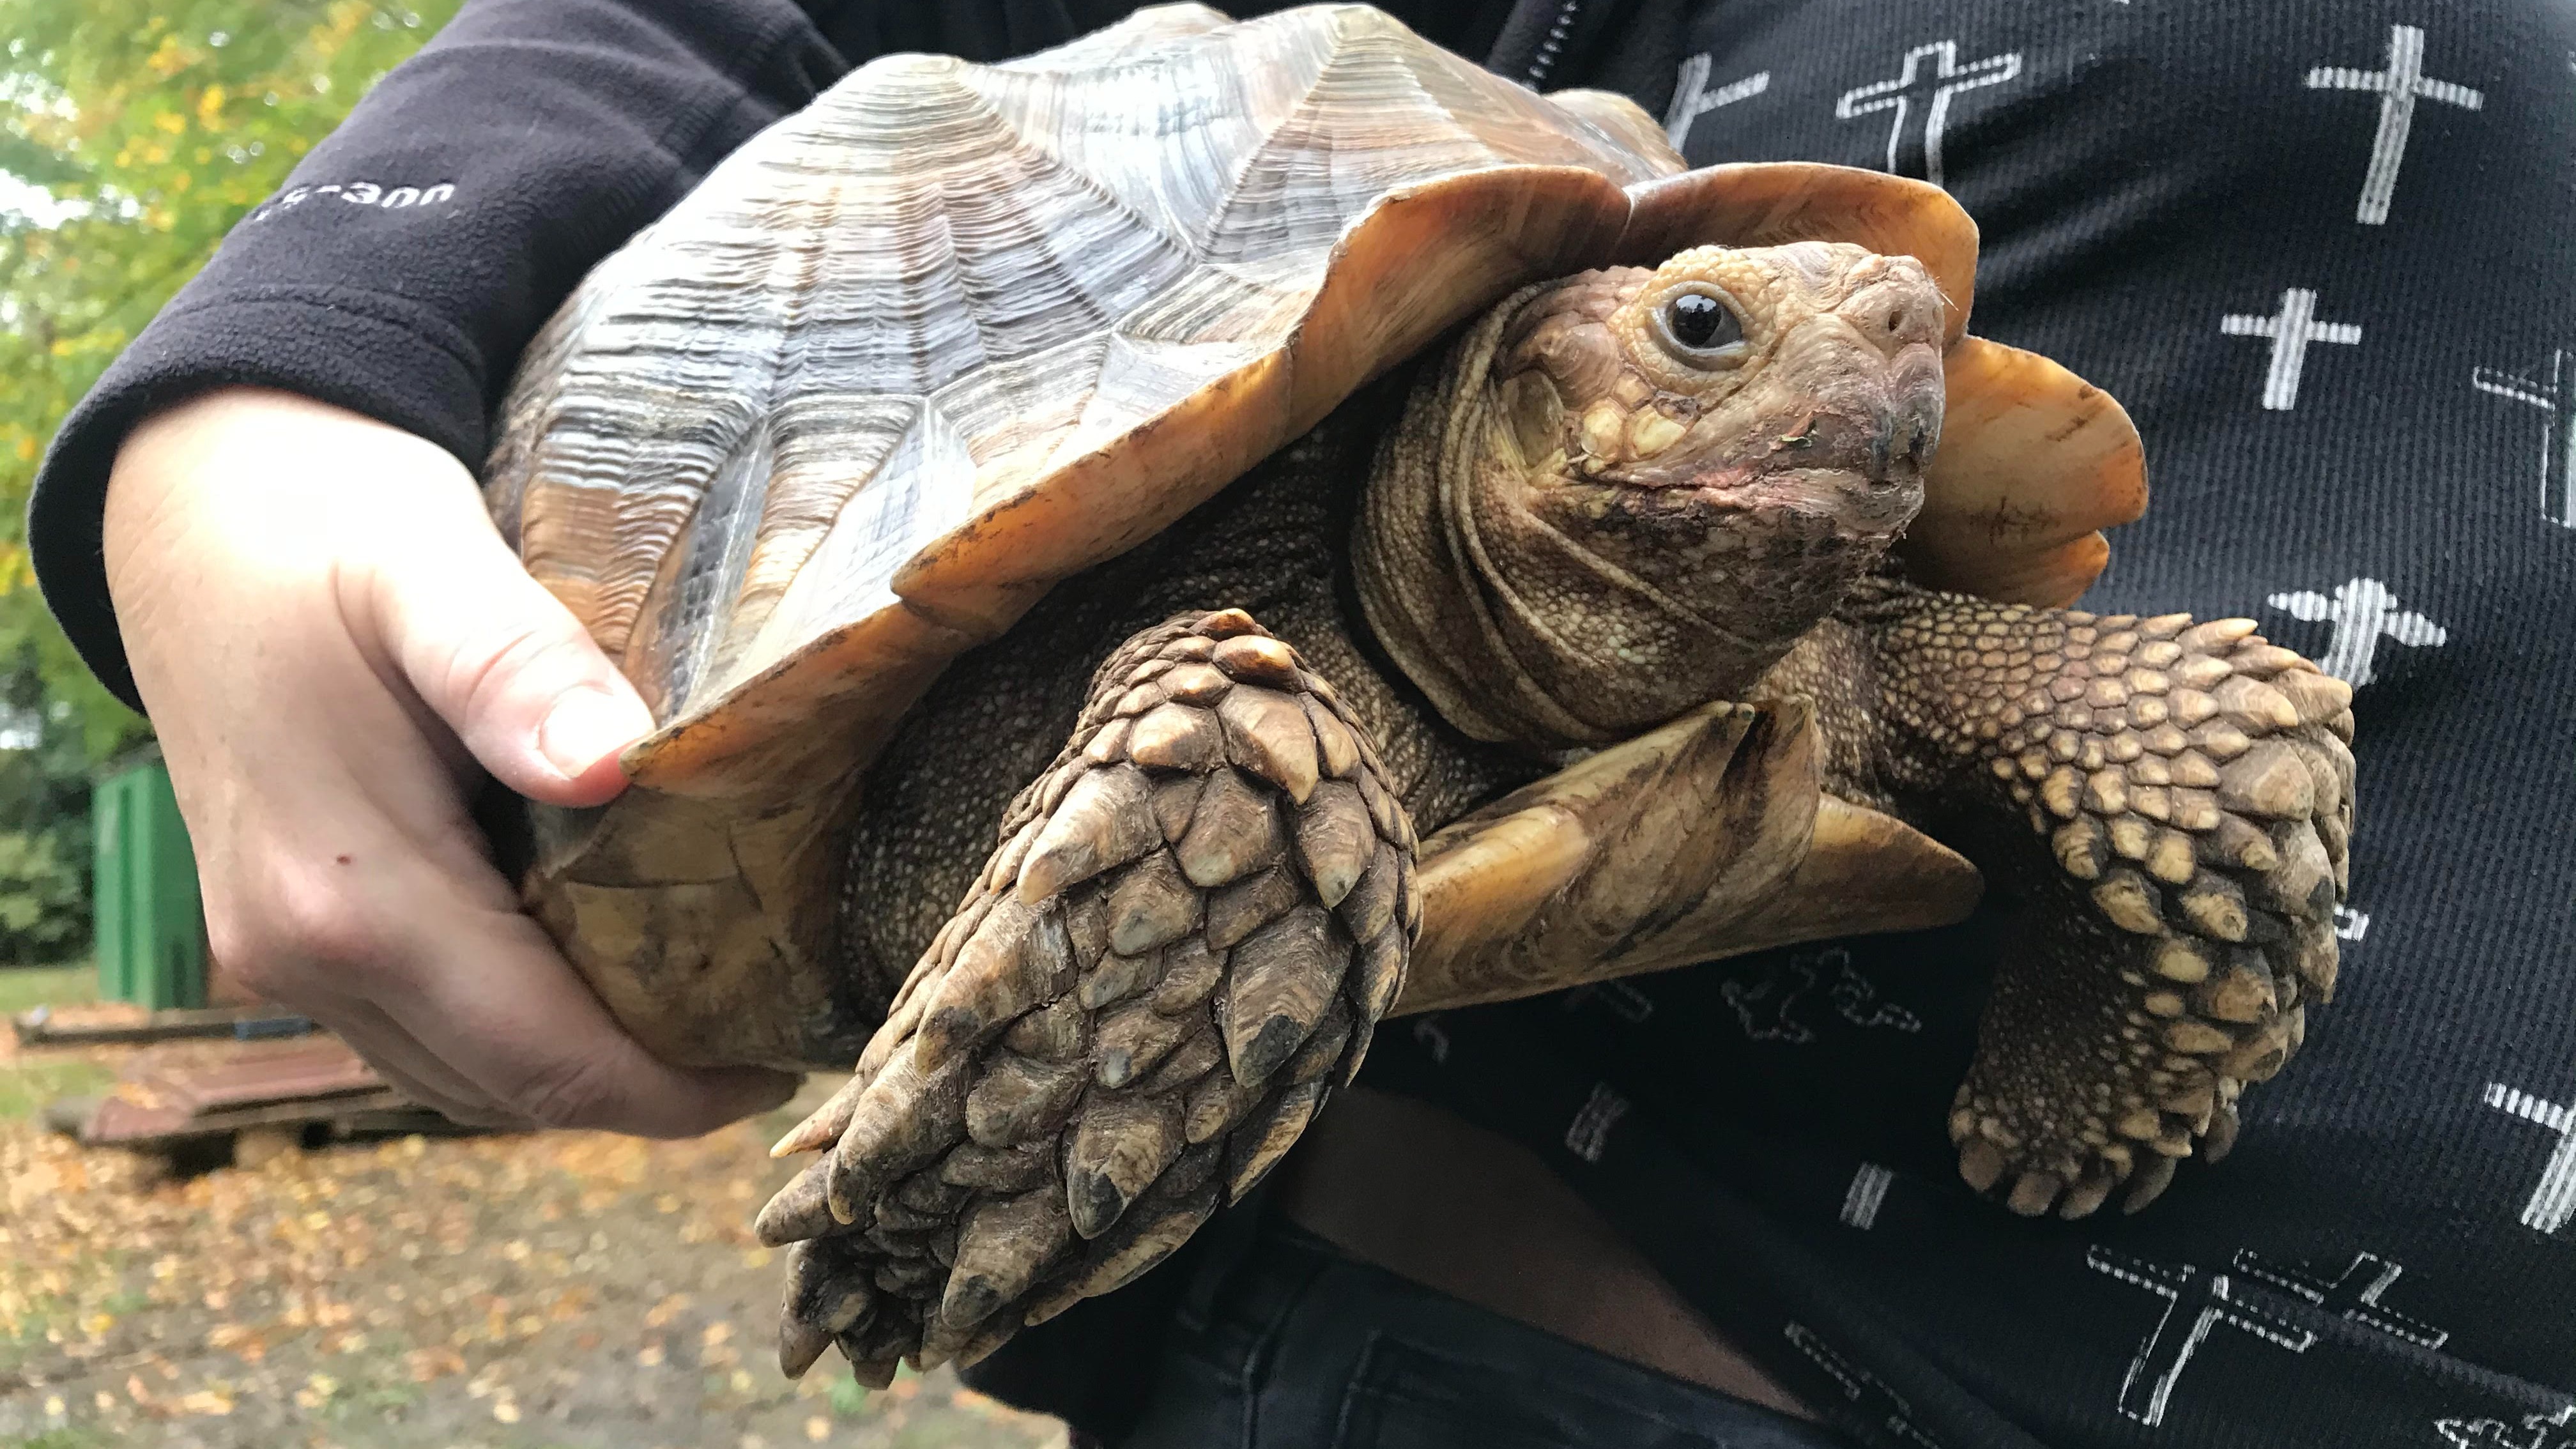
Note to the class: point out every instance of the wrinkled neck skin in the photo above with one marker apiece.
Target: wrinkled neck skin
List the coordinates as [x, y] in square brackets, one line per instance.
[1571, 538]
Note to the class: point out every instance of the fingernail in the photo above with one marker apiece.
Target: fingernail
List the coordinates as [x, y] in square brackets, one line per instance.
[587, 725]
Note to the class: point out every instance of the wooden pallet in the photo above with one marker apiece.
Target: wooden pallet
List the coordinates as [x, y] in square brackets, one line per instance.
[175, 1096]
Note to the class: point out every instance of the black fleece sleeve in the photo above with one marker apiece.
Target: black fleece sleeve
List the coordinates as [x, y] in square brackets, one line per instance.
[418, 247]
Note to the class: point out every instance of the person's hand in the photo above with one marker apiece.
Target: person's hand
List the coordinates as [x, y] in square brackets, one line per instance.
[330, 638]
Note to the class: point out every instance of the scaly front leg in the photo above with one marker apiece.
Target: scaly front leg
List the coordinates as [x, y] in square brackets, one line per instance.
[1194, 921]
[2173, 800]
[1705, 838]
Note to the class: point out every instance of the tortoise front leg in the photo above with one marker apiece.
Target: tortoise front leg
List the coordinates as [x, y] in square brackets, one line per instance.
[1707, 837]
[1194, 921]
[2174, 800]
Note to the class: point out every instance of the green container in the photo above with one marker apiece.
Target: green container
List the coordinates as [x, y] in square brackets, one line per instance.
[150, 926]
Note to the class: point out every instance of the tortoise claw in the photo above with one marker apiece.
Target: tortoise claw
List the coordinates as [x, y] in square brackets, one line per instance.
[1176, 953]
[2193, 806]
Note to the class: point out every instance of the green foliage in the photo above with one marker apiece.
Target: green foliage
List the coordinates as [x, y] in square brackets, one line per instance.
[136, 133]
[44, 899]
[45, 840]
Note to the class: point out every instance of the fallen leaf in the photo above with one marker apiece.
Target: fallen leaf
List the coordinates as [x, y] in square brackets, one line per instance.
[210, 1402]
[427, 1364]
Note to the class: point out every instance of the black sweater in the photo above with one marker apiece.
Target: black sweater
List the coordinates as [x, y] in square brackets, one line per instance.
[2321, 250]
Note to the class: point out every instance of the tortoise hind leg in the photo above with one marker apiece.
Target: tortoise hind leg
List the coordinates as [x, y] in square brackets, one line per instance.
[2174, 801]
[1195, 918]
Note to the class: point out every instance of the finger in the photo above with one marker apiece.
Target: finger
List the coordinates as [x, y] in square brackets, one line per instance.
[502, 661]
[424, 587]
[388, 1049]
[337, 853]
[407, 1066]
[495, 1002]
[431, 940]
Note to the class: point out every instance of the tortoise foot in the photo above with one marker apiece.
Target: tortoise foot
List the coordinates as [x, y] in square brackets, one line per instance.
[1196, 918]
[2193, 790]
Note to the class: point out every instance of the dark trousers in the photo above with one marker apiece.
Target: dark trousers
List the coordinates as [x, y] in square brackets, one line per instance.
[1288, 1344]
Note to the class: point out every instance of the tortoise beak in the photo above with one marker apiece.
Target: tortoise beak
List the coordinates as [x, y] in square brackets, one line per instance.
[1875, 432]
[1856, 456]
[1894, 426]
[1909, 431]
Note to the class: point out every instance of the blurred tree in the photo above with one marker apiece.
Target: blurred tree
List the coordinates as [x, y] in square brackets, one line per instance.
[136, 133]
[45, 831]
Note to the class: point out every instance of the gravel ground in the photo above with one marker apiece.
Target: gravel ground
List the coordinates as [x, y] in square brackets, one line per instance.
[517, 1292]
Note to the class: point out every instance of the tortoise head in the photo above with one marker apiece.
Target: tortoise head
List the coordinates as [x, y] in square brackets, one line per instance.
[1630, 491]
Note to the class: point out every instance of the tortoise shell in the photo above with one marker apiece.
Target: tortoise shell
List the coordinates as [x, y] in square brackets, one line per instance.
[957, 332]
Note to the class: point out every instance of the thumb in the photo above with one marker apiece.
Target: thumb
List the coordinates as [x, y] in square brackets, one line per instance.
[503, 662]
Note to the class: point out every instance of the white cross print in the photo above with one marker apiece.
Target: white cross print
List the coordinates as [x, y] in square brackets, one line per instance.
[1868, 1189]
[1427, 1030]
[2292, 330]
[1588, 1135]
[2553, 1202]
[2352, 1294]
[2364, 612]
[2558, 438]
[2399, 87]
[1948, 79]
[1693, 99]
[1860, 1388]
[2539, 1431]
[2195, 1303]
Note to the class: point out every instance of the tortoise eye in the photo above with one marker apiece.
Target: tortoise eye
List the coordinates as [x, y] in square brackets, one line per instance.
[1701, 327]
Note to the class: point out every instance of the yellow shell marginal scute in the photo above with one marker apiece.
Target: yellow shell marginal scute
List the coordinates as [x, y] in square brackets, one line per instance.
[2034, 462]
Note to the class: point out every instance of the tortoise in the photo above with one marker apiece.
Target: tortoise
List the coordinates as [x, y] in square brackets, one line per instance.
[1149, 557]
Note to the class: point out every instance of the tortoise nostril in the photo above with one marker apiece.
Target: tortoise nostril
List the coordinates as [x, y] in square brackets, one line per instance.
[1896, 320]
